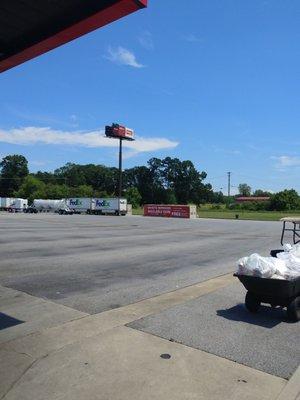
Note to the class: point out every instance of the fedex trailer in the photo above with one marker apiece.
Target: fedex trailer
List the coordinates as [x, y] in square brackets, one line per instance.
[80, 204]
[113, 206]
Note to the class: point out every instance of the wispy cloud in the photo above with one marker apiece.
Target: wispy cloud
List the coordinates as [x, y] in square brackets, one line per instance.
[74, 120]
[192, 38]
[287, 161]
[37, 163]
[146, 41]
[40, 135]
[122, 56]
[234, 152]
[37, 118]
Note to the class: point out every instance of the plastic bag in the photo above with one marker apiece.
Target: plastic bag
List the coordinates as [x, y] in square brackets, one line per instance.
[256, 265]
[290, 249]
[291, 257]
[285, 266]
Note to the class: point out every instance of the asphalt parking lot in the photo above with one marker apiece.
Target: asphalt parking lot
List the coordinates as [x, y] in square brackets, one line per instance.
[154, 287]
[219, 323]
[94, 263]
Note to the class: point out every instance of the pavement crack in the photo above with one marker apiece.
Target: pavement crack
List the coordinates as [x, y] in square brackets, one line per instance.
[18, 379]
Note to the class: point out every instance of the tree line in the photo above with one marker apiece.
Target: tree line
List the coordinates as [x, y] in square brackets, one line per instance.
[168, 181]
[285, 200]
[161, 181]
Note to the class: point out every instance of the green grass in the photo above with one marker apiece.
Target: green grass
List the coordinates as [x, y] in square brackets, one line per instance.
[138, 211]
[247, 215]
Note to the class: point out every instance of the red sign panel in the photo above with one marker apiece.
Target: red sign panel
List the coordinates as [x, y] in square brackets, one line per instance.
[168, 211]
[119, 131]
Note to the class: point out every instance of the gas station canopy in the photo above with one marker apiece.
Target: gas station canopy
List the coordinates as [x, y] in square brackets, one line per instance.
[29, 28]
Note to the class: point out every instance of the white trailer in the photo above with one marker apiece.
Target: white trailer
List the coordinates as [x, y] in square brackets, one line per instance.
[109, 206]
[80, 204]
[5, 202]
[47, 205]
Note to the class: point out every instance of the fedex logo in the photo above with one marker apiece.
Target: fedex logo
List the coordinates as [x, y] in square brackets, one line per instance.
[102, 203]
[75, 202]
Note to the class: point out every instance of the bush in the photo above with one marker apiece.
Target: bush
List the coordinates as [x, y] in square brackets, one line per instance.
[250, 206]
[255, 206]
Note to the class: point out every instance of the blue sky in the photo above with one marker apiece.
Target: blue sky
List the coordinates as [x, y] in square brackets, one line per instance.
[216, 82]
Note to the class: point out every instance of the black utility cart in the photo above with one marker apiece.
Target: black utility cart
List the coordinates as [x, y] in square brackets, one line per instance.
[277, 292]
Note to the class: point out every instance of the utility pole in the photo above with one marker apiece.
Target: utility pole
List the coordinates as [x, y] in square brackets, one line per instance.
[229, 183]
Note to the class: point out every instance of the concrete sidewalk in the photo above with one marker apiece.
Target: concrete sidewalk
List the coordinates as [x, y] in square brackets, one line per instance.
[60, 353]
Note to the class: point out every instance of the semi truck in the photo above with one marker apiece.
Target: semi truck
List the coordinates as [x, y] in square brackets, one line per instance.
[99, 206]
[48, 205]
[44, 205]
[80, 204]
[109, 206]
[17, 205]
[13, 204]
[75, 205]
[5, 203]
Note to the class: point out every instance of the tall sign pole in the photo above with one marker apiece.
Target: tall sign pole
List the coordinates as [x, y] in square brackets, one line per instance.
[120, 132]
[120, 169]
[229, 183]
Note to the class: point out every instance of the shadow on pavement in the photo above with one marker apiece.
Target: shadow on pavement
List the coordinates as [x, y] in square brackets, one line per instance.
[267, 317]
[6, 321]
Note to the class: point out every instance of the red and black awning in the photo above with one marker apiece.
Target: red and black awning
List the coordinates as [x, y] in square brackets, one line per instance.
[29, 28]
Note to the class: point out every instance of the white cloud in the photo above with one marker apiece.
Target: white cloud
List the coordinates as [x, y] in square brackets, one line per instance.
[146, 41]
[122, 56]
[287, 161]
[34, 135]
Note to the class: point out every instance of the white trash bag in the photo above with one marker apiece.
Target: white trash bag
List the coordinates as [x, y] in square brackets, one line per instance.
[285, 266]
[256, 265]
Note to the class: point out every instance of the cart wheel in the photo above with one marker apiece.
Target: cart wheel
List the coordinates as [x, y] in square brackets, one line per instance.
[293, 310]
[252, 302]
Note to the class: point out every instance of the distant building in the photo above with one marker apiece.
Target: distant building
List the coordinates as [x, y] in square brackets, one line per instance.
[251, 199]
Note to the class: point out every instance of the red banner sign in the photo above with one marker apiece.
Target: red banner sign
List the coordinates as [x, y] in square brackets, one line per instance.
[168, 211]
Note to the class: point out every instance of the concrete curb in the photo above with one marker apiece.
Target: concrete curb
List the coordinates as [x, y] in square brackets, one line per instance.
[292, 389]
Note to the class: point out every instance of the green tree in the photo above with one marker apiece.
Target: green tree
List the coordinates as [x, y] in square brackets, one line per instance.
[72, 174]
[99, 177]
[56, 191]
[48, 177]
[244, 189]
[218, 197]
[142, 178]
[133, 197]
[285, 200]
[181, 177]
[14, 168]
[261, 193]
[31, 188]
[81, 191]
